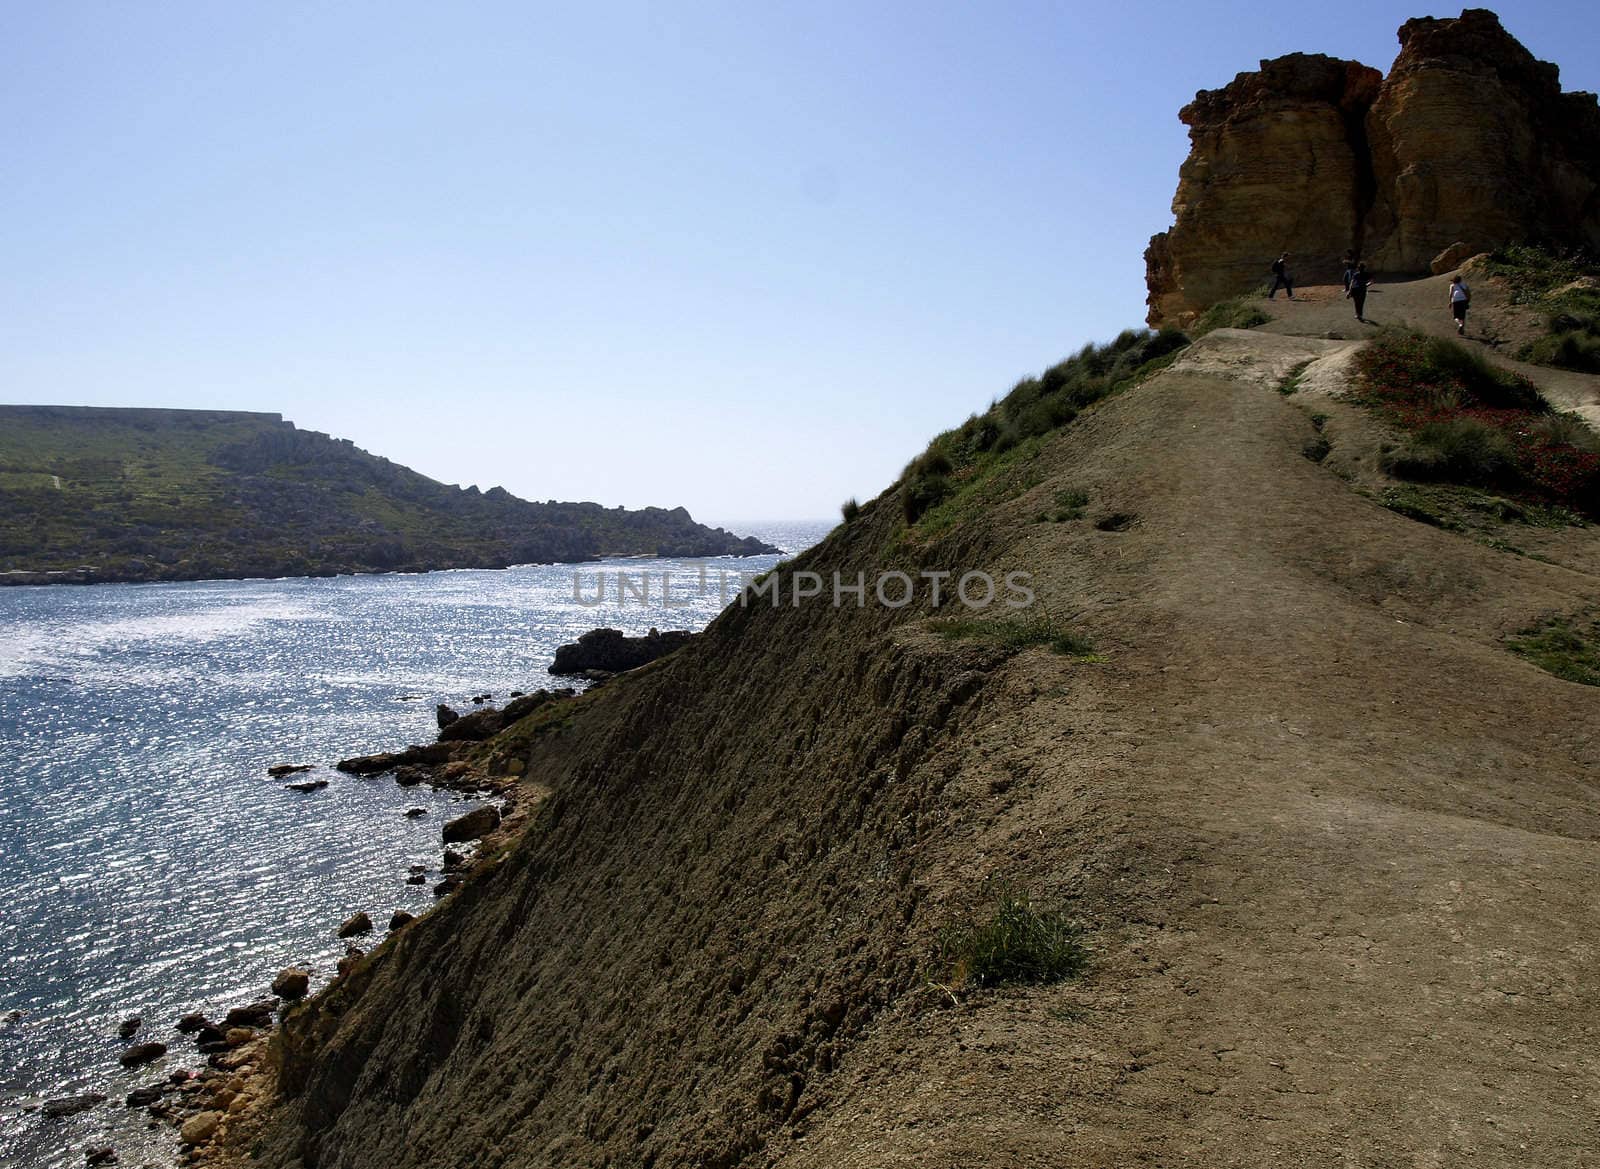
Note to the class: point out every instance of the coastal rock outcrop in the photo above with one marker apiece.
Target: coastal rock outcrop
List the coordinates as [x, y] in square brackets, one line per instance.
[1468, 141]
[292, 983]
[476, 823]
[610, 650]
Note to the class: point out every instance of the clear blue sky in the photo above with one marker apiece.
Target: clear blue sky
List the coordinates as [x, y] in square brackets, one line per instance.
[744, 257]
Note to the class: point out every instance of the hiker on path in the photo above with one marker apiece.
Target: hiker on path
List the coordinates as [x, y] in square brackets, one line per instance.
[1350, 263]
[1460, 298]
[1357, 281]
[1280, 277]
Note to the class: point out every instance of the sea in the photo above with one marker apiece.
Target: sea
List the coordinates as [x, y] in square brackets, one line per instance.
[153, 868]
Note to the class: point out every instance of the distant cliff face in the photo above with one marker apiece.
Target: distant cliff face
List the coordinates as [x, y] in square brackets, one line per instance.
[1469, 139]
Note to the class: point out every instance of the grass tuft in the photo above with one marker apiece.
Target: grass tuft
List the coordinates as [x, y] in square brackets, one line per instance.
[966, 461]
[850, 509]
[1015, 633]
[1568, 647]
[1239, 313]
[1016, 944]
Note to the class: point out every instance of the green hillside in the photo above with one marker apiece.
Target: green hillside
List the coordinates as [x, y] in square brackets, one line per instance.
[125, 494]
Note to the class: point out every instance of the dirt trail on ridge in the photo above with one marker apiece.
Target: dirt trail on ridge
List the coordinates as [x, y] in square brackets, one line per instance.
[1335, 846]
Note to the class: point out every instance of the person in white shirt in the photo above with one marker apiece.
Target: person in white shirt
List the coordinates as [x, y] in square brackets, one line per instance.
[1460, 298]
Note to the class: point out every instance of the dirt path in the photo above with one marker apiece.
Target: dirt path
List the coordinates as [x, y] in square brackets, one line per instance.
[1492, 324]
[1334, 846]
[1352, 837]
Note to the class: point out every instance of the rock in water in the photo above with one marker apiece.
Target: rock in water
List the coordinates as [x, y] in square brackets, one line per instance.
[609, 650]
[145, 1096]
[444, 716]
[400, 918]
[105, 1155]
[355, 925]
[129, 1027]
[70, 1105]
[476, 823]
[257, 1014]
[142, 1053]
[307, 785]
[292, 983]
[279, 770]
[191, 1023]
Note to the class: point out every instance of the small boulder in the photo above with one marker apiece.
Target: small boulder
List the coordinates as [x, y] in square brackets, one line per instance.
[415, 813]
[129, 1027]
[279, 770]
[292, 983]
[307, 785]
[452, 858]
[104, 1155]
[1452, 257]
[142, 1053]
[355, 925]
[447, 886]
[70, 1105]
[210, 1033]
[351, 958]
[191, 1023]
[417, 879]
[257, 1014]
[400, 919]
[477, 823]
[239, 1036]
[444, 716]
[145, 1096]
[200, 1128]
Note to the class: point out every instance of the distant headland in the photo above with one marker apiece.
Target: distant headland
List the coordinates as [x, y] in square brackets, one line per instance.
[93, 494]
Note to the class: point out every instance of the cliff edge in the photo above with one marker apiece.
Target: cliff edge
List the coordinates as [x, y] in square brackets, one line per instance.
[1468, 140]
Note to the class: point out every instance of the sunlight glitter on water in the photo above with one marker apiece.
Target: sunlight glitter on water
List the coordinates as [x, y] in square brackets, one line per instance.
[155, 869]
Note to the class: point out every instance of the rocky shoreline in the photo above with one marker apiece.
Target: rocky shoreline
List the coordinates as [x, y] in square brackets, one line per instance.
[213, 1107]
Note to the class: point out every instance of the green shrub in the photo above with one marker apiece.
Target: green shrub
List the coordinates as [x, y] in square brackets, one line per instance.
[1017, 944]
[850, 509]
[1570, 429]
[924, 493]
[1461, 450]
[1240, 313]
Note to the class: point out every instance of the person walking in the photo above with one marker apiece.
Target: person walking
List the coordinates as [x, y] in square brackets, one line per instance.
[1280, 277]
[1349, 270]
[1460, 299]
[1357, 282]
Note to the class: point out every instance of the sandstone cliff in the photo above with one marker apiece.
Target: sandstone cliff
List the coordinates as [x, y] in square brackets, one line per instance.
[1469, 139]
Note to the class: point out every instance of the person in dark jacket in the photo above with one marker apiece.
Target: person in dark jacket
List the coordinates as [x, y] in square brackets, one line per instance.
[1280, 277]
[1356, 289]
[1349, 269]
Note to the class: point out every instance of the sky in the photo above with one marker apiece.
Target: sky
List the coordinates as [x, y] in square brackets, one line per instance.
[741, 257]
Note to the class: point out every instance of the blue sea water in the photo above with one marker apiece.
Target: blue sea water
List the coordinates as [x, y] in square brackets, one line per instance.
[152, 867]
